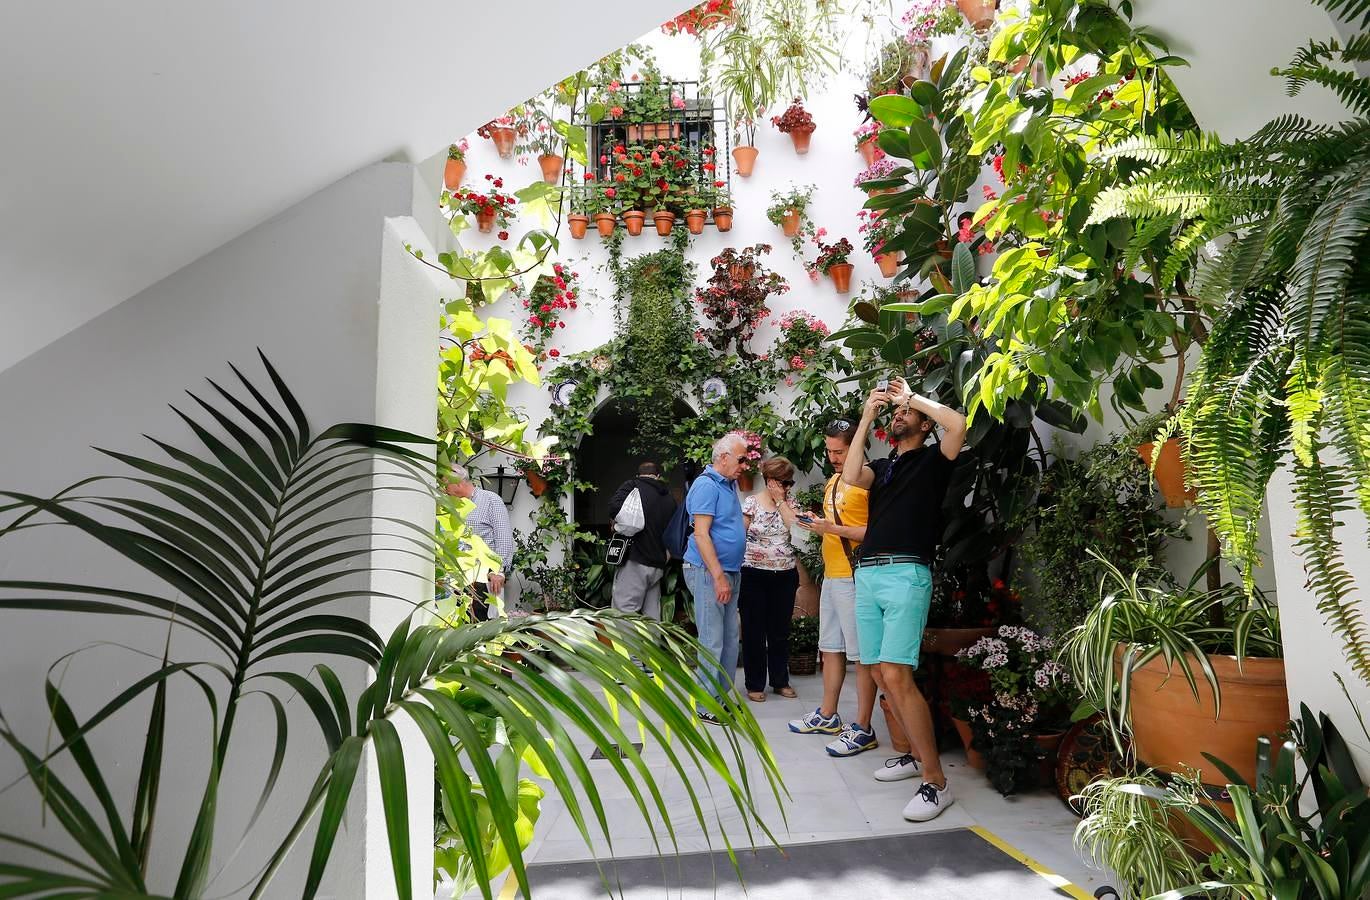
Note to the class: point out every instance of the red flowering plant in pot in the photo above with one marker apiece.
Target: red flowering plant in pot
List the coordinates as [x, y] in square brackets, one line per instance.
[877, 231]
[797, 123]
[833, 261]
[494, 210]
[701, 19]
[734, 299]
[552, 298]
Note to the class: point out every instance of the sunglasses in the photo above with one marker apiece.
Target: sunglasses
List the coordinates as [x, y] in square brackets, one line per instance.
[840, 425]
[785, 483]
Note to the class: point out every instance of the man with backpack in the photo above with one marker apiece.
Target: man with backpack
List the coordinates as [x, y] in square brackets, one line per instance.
[643, 520]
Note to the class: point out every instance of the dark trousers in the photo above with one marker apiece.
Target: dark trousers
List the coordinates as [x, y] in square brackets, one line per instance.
[479, 608]
[766, 605]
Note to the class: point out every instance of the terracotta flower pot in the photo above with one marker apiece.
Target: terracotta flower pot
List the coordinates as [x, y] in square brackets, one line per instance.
[605, 222]
[1172, 731]
[841, 276]
[1019, 64]
[633, 219]
[888, 263]
[665, 222]
[503, 136]
[723, 219]
[745, 157]
[867, 151]
[947, 641]
[801, 140]
[602, 635]
[741, 271]
[1170, 472]
[974, 758]
[453, 174]
[551, 167]
[979, 13]
[536, 483]
[485, 221]
[579, 223]
[789, 222]
[745, 480]
[694, 220]
[898, 740]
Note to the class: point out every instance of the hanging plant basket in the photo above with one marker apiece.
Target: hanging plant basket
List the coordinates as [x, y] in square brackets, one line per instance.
[633, 219]
[579, 224]
[840, 274]
[551, 167]
[1170, 473]
[503, 138]
[745, 157]
[454, 173]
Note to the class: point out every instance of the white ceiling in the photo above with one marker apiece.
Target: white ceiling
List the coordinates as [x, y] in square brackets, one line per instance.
[135, 138]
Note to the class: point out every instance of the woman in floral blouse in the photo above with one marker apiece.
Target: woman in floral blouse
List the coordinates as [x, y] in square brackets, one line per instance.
[769, 582]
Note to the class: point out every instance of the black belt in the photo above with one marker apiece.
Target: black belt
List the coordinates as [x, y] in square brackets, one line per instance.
[890, 559]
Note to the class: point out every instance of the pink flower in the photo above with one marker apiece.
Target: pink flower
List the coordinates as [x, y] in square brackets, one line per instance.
[614, 86]
[616, 111]
[964, 235]
[677, 101]
[822, 232]
[986, 248]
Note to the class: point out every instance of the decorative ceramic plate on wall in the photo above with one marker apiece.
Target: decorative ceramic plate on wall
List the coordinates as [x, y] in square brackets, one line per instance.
[561, 394]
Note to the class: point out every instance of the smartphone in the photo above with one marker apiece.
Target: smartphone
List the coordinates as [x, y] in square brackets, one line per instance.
[806, 518]
[883, 384]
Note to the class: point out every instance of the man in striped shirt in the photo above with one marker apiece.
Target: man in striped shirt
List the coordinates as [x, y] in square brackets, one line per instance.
[490, 522]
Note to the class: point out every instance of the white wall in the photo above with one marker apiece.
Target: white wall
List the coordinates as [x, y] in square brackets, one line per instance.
[323, 291]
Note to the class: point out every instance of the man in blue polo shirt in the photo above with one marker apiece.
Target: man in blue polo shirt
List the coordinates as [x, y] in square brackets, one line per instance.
[713, 565]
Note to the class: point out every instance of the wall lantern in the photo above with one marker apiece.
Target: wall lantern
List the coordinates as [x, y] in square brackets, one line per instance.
[506, 484]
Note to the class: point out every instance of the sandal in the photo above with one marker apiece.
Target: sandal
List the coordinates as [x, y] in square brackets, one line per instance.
[756, 696]
[786, 692]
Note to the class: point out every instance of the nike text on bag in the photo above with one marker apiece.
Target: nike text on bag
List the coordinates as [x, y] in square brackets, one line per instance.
[630, 519]
[617, 551]
[677, 534]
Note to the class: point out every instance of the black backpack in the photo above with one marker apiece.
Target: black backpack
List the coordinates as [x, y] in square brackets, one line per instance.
[676, 537]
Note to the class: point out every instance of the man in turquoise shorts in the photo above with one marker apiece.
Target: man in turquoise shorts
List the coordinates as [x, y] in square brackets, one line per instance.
[893, 581]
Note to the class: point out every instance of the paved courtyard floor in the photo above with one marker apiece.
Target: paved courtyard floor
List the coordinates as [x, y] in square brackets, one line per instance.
[832, 799]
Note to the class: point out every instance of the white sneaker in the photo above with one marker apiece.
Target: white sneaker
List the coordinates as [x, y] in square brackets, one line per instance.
[928, 803]
[898, 768]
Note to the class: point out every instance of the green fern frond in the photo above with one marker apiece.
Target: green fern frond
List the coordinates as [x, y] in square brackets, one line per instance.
[1320, 498]
[1327, 255]
[1350, 88]
[1349, 10]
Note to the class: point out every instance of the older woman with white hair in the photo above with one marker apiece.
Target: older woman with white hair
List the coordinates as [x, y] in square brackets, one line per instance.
[713, 565]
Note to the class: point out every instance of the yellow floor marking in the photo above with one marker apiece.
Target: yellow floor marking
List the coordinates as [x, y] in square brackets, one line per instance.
[1056, 880]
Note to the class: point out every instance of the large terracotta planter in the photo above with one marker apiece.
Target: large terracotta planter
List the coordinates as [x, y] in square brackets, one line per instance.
[979, 13]
[841, 277]
[632, 220]
[551, 167]
[947, 641]
[1172, 731]
[1170, 472]
[888, 263]
[745, 157]
[665, 222]
[453, 174]
[579, 223]
[898, 740]
[789, 222]
[974, 758]
[868, 151]
[694, 220]
[485, 221]
[605, 222]
[503, 138]
[723, 219]
[801, 140]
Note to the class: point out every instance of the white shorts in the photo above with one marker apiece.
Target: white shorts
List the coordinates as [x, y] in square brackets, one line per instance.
[837, 617]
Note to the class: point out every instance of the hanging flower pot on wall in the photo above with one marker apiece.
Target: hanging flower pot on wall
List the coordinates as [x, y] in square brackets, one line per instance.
[454, 173]
[745, 157]
[1170, 472]
[551, 167]
[888, 263]
[485, 221]
[801, 139]
[605, 222]
[503, 137]
[579, 223]
[868, 151]
[978, 13]
[745, 482]
[694, 220]
[789, 222]
[723, 218]
[665, 221]
[536, 483]
[633, 219]
[840, 273]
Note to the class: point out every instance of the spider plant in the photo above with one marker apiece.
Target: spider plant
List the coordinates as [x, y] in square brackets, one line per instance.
[1177, 625]
[253, 540]
[1127, 834]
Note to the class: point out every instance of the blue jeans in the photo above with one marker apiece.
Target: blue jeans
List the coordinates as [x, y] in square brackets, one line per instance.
[718, 630]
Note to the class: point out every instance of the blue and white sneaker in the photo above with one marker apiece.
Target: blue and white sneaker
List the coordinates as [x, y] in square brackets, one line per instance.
[853, 740]
[817, 723]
